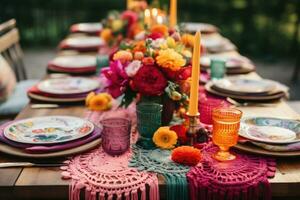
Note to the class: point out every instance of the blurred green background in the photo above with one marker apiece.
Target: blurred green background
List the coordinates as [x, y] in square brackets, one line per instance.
[267, 29]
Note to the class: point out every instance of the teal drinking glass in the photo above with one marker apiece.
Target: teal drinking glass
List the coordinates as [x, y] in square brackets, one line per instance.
[217, 69]
[148, 121]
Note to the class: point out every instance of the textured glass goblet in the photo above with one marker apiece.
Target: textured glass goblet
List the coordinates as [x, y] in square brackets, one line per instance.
[226, 124]
[206, 107]
[148, 121]
[116, 135]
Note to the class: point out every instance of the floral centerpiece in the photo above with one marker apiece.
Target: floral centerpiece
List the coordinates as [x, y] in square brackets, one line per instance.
[155, 67]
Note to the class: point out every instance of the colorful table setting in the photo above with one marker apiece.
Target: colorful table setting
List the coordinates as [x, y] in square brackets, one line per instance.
[162, 117]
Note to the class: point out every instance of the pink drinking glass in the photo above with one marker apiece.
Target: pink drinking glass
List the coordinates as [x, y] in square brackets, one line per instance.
[115, 135]
[206, 106]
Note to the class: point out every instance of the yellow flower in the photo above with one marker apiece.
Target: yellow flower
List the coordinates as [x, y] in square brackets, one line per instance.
[171, 42]
[99, 102]
[89, 97]
[116, 25]
[187, 53]
[165, 138]
[123, 56]
[188, 40]
[169, 58]
[106, 34]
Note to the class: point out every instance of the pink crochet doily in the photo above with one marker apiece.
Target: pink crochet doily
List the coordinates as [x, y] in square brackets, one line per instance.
[102, 176]
[246, 177]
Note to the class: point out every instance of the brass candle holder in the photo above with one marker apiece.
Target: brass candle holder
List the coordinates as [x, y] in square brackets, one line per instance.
[193, 128]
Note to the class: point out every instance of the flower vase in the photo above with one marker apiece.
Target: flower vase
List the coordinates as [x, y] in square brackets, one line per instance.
[148, 121]
[169, 107]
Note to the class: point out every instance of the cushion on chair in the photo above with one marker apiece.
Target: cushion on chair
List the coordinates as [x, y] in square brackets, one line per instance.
[7, 80]
[18, 100]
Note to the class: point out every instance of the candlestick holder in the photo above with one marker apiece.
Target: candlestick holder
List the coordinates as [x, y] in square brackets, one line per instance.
[193, 128]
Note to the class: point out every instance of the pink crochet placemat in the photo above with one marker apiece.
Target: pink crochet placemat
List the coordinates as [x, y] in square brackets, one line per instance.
[102, 176]
[246, 177]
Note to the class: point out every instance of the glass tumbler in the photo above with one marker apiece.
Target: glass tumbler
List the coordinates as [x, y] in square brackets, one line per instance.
[148, 121]
[217, 69]
[115, 135]
[206, 107]
[226, 124]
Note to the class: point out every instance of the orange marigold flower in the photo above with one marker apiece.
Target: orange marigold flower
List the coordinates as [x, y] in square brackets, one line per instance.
[140, 46]
[138, 55]
[123, 56]
[170, 59]
[165, 138]
[148, 61]
[160, 28]
[106, 34]
[188, 40]
[99, 102]
[186, 155]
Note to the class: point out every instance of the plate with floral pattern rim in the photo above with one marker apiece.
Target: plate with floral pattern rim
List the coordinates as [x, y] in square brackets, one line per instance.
[70, 85]
[48, 130]
[270, 130]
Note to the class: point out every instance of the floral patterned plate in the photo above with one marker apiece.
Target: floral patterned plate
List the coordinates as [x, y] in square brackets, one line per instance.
[270, 130]
[71, 85]
[48, 130]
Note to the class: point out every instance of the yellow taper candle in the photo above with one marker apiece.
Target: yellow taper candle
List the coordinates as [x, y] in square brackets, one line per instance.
[173, 13]
[193, 104]
[128, 4]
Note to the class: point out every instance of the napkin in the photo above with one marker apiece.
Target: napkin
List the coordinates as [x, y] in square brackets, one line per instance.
[31, 148]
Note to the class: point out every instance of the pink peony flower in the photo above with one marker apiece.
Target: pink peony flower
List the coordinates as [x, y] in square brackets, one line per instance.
[117, 79]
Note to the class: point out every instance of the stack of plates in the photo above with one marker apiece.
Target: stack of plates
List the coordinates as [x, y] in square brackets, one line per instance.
[49, 136]
[77, 64]
[269, 136]
[67, 89]
[247, 89]
[83, 44]
[215, 43]
[192, 27]
[88, 28]
[235, 64]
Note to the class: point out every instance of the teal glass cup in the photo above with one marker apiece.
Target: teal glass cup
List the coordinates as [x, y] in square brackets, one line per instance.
[217, 69]
[148, 121]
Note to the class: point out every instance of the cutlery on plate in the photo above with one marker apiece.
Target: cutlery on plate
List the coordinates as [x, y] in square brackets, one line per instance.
[29, 164]
[39, 106]
[245, 104]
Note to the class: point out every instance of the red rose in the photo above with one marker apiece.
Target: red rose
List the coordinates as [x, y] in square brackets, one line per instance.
[155, 35]
[182, 74]
[181, 133]
[149, 81]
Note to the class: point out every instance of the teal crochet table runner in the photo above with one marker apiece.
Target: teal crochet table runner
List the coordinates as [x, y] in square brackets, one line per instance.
[159, 161]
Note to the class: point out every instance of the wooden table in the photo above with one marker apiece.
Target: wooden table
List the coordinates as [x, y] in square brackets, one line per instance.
[46, 183]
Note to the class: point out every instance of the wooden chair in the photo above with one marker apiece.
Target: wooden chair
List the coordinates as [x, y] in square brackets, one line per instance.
[11, 49]
[11, 56]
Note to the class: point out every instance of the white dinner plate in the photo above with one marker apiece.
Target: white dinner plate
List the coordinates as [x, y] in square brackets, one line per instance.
[71, 85]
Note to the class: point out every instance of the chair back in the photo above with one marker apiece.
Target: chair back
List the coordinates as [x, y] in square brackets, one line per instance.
[10, 48]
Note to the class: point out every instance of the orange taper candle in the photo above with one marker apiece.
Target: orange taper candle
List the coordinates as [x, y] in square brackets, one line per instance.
[193, 104]
[173, 13]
